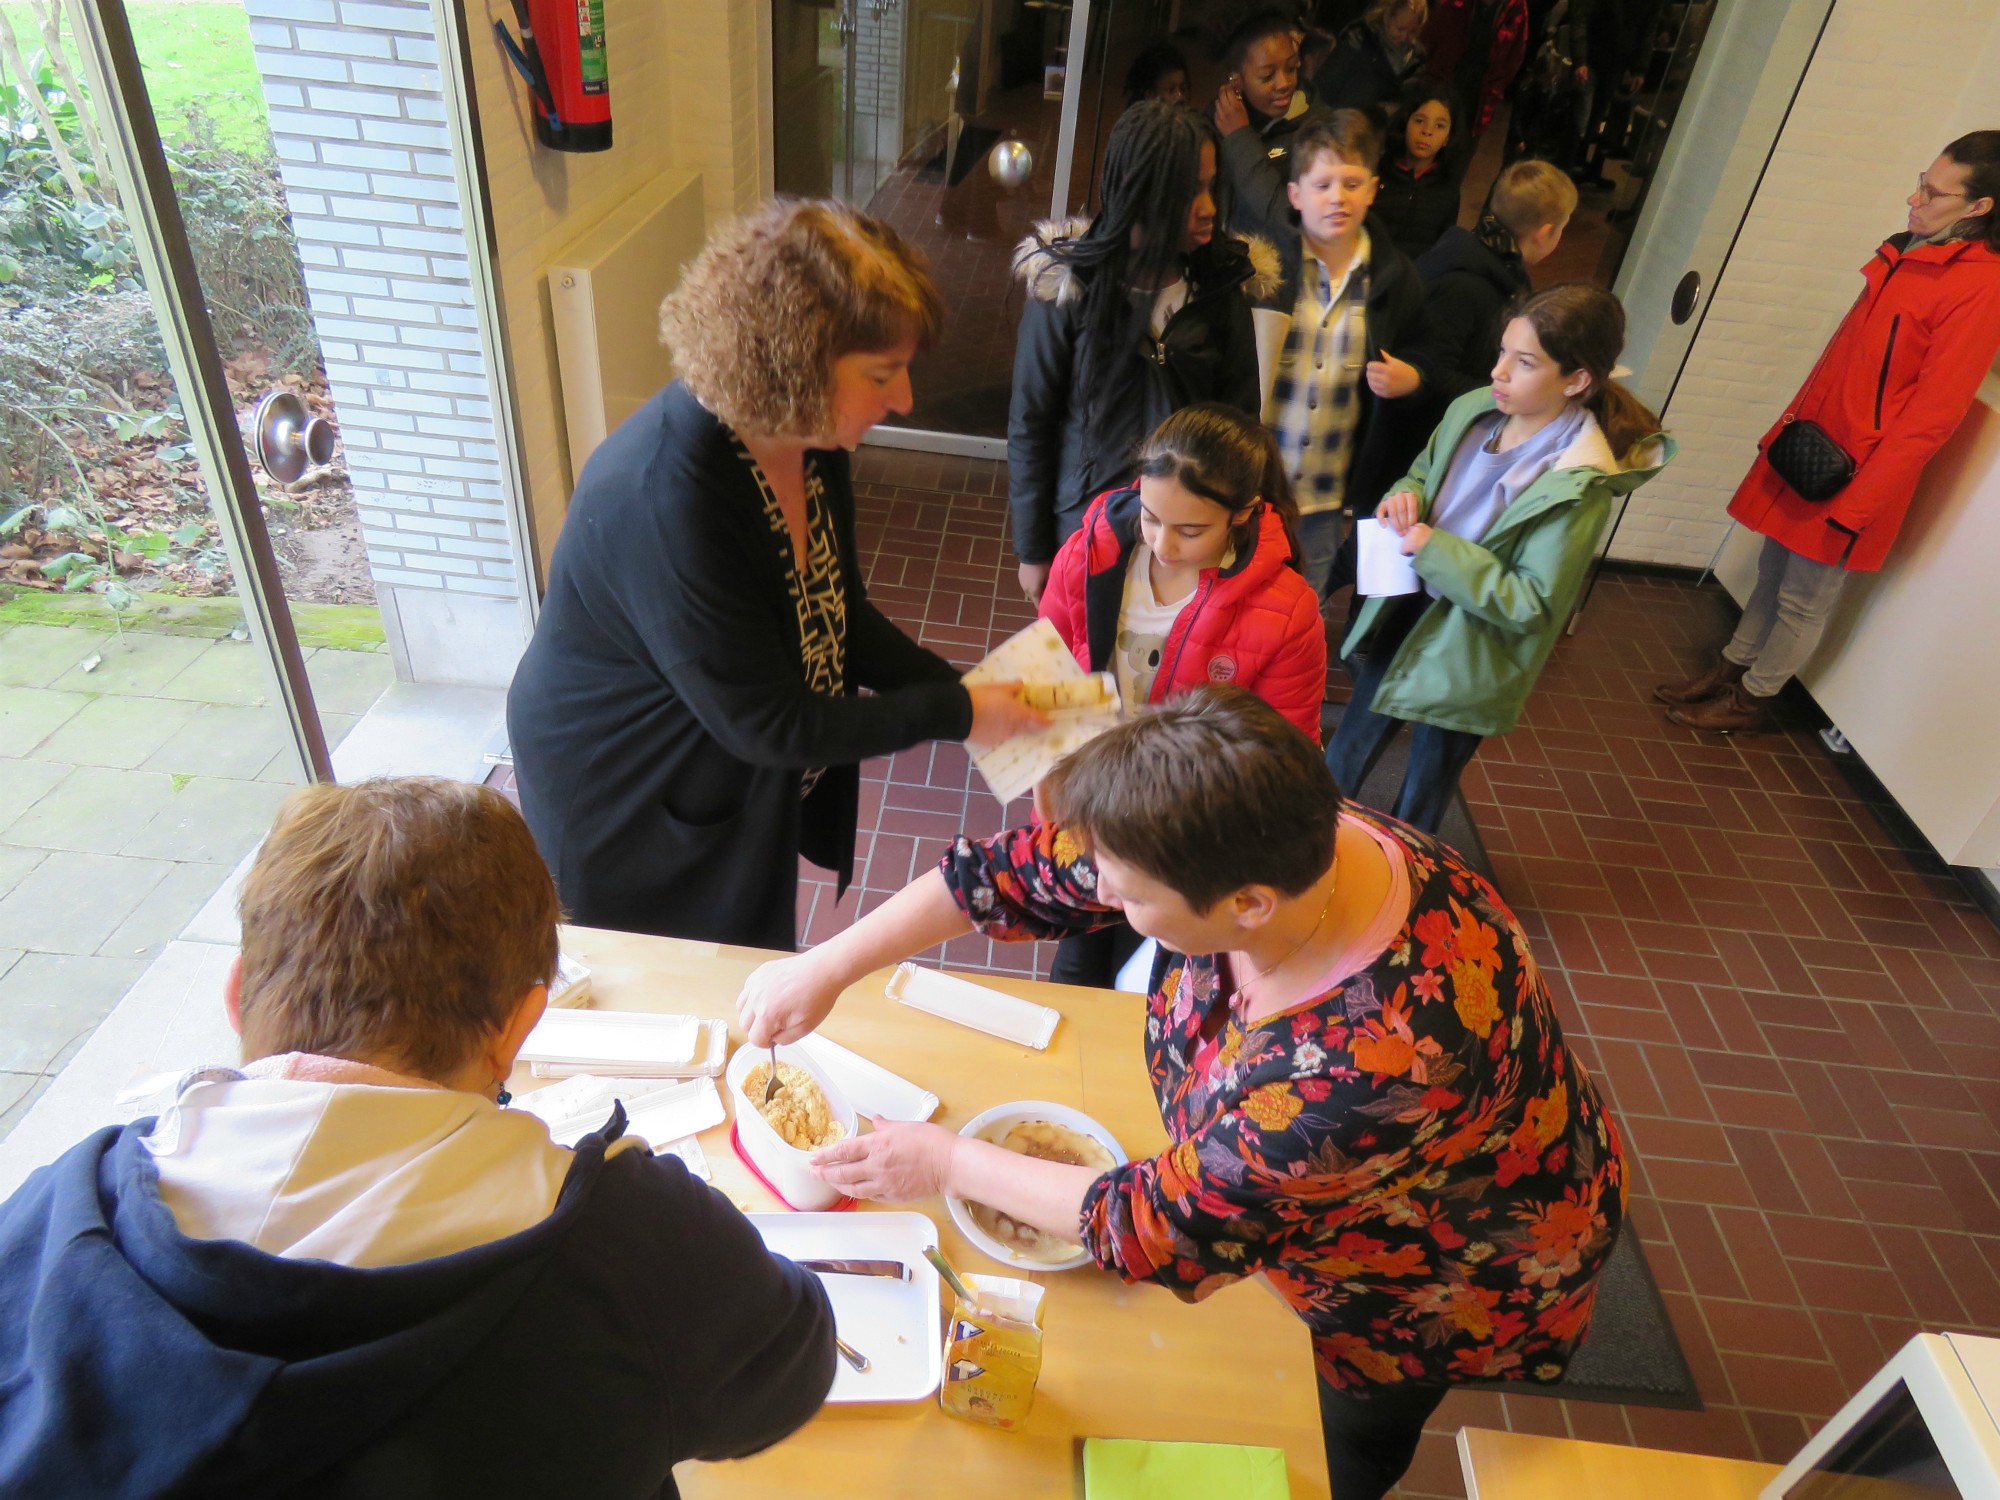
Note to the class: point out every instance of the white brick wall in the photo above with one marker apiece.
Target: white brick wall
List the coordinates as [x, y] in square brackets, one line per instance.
[1890, 84]
[357, 118]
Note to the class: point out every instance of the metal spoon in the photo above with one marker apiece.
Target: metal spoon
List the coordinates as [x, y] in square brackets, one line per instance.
[771, 1078]
[851, 1354]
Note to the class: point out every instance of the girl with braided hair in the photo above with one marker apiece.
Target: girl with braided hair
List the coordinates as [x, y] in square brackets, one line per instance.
[1129, 317]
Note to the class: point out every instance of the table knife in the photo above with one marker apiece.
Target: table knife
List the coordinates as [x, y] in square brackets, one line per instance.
[894, 1269]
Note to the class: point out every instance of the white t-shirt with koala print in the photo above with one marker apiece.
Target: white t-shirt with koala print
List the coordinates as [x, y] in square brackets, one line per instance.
[1143, 627]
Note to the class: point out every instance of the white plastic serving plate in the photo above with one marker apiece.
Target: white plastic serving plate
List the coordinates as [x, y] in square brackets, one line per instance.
[899, 1325]
[990, 1125]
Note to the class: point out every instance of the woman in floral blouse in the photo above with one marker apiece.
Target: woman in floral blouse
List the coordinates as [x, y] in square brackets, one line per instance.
[1356, 1059]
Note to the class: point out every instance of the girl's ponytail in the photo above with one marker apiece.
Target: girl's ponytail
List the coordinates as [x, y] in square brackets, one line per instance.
[1229, 459]
[1582, 327]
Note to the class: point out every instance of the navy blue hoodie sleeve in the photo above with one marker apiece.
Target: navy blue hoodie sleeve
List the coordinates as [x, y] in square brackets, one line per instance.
[742, 1338]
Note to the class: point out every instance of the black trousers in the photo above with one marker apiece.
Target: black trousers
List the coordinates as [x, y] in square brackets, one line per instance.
[1371, 1438]
[1437, 756]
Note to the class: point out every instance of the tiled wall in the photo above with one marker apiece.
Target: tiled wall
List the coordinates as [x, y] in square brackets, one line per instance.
[1890, 83]
[357, 119]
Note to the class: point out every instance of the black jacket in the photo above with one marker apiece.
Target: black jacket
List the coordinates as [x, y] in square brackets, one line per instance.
[642, 1323]
[660, 718]
[1252, 169]
[1063, 450]
[1416, 210]
[1468, 285]
[1385, 435]
[1359, 73]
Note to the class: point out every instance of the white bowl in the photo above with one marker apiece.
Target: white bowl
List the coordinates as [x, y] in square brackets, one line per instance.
[991, 1124]
[784, 1166]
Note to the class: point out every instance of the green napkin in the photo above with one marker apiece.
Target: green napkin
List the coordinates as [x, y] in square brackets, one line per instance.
[1127, 1469]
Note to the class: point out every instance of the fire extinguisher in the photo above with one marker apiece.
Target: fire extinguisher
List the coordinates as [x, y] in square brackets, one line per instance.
[561, 55]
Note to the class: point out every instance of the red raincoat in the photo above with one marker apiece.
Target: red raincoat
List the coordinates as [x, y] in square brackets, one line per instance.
[1255, 623]
[1900, 375]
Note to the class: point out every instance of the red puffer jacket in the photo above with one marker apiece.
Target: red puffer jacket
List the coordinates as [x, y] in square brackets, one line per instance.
[1256, 623]
[1900, 375]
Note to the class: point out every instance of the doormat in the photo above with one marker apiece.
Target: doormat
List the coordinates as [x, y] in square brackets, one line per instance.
[1631, 1354]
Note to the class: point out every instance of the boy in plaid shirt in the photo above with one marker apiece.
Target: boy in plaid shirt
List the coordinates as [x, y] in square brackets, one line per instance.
[1351, 296]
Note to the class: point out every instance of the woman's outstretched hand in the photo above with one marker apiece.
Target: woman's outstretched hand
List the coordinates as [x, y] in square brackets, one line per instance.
[998, 713]
[785, 999]
[899, 1161]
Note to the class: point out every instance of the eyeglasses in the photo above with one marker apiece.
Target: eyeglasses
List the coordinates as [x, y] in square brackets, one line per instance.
[1928, 194]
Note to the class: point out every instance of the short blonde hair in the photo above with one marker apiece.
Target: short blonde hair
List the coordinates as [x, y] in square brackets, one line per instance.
[1532, 193]
[779, 294]
[398, 920]
[1382, 12]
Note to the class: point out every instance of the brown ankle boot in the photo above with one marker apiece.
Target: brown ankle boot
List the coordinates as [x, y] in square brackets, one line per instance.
[1730, 712]
[1717, 680]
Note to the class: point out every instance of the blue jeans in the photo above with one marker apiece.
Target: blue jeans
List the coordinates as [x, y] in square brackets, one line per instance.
[1319, 543]
[1438, 757]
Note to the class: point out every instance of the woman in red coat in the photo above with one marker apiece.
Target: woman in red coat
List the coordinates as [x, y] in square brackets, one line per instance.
[1899, 376]
[1190, 576]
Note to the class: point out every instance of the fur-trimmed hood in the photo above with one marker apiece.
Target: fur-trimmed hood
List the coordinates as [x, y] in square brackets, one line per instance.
[1251, 262]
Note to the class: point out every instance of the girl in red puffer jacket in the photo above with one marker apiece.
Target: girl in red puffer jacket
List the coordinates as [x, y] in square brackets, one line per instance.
[1190, 576]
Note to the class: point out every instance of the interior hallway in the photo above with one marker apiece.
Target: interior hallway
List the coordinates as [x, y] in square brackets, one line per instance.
[1796, 1014]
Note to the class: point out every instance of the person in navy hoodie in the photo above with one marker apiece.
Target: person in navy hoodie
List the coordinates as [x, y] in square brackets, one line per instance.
[343, 1269]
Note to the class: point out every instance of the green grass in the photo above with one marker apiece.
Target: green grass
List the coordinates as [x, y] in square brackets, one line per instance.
[197, 52]
[343, 627]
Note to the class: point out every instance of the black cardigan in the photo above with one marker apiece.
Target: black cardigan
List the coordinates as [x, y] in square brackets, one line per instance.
[660, 719]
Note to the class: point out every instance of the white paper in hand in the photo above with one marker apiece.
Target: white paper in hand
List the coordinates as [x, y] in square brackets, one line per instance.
[1380, 567]
[1080, 706]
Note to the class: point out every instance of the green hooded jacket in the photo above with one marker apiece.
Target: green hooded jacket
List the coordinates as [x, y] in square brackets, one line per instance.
[1471, 658]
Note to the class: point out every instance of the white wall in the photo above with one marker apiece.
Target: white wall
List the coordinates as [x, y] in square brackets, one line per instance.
[1892, 81]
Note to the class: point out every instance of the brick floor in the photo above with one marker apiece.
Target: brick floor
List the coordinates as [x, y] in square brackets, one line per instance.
[1794, 1010]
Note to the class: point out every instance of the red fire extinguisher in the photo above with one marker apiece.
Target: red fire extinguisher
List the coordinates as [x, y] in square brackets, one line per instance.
[561, 55]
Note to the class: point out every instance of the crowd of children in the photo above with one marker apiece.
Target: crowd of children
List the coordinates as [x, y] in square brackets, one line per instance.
[1401, 370]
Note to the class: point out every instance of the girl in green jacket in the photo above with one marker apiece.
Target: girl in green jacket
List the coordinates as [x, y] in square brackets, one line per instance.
[1499, 517]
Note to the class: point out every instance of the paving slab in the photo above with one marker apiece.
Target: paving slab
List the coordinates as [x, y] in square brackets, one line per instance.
[8, 958]
[20, 1091]
[96, 808]
[23, 783]
[30, 715]
[164, 913]
[51, 1002]
[223, 740]
[285, 765]
[15, 863]
[135, 664]
[115, 731]
[348, 682]
[210, 819]
[73, 902]
[227, 672]
[36, 655]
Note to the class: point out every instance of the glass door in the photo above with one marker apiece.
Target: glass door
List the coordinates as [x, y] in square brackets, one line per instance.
[897, 106]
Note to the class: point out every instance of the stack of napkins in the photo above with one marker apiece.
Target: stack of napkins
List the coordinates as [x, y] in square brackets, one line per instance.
[570, 989]
[625, 1044]
[667, 1117]
[1128, 1469]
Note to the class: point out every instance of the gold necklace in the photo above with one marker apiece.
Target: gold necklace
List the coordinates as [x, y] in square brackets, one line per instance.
[1243, 990]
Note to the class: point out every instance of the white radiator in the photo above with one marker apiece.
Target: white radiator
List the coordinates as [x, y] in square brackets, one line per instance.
[604, 300]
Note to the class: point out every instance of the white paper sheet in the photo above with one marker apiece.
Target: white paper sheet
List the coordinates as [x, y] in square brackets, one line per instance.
[1038, 658]
[1382, 569]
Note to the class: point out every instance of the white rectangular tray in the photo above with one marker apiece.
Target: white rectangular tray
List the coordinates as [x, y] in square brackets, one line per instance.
[951, 998]
[899, 1325]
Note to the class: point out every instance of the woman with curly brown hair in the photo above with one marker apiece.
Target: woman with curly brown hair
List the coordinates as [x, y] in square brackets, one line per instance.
[688, 718]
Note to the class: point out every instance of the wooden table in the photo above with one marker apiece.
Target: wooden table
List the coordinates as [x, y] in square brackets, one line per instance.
[1522, 1466]
[1119, 1361]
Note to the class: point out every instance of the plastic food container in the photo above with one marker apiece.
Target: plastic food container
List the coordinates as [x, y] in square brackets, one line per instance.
[991, 1125]
[784, 1167]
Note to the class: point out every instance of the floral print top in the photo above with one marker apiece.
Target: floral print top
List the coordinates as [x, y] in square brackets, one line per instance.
[1414, 1159]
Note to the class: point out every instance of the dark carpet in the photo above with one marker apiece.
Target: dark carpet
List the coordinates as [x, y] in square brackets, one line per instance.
[1630, 1355]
